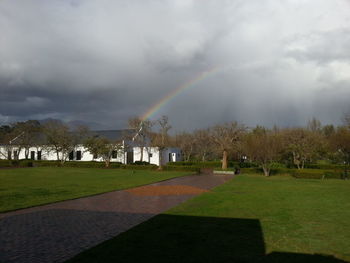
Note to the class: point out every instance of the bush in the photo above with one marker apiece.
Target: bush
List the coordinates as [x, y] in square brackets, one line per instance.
[302, 174]
[139, 167]
[5, 163]
[141, 163]
[324, 166]
[213, 164]
[317, 174]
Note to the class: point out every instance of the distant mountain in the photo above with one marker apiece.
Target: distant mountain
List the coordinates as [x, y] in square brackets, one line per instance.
[91, 125]
[74, 123]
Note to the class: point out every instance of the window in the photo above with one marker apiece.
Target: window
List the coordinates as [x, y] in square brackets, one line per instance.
[150, 155]
[78, 155]
[71, 156]
[95, 156]
[114, 154]
[39, 155]
[32, 155]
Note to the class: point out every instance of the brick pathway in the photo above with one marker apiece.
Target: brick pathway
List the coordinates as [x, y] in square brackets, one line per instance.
[59, 231]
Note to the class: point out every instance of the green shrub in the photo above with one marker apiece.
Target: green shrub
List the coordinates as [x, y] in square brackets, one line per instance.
[5, 163]
[213, 164]
[302, 173]
[317, 174]
[139, 167]
[324, 166]
[81, 164]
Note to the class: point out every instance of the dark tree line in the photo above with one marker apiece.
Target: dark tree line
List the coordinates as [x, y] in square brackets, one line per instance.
[297, 146]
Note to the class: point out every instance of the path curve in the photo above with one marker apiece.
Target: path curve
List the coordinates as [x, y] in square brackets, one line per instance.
[59, 231]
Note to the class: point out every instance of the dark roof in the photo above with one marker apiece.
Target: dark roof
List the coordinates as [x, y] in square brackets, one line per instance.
[39, 138]
[114, 135]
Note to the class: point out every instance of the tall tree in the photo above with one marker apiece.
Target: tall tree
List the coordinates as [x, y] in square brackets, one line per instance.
[227, 138]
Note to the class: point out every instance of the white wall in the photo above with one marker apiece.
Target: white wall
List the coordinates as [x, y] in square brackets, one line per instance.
[151, 155]
[51, 155]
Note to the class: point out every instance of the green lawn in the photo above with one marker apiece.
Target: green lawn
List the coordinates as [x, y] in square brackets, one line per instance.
[249, 219]
[27, 187]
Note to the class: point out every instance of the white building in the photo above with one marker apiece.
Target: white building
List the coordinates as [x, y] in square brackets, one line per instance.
[80, 153]
[154, 156]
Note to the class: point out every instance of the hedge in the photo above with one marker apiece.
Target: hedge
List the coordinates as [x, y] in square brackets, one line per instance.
[181, 168]
[302, 173]
[212, 164]
[5, 163]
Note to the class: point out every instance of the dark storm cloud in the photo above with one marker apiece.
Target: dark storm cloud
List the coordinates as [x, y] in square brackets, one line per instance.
[278, 62]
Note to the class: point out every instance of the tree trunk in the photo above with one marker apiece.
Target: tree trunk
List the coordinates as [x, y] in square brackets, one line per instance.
[26, 153]
[224, 160]
[266, 171]
[160, 160]
[107, 162]
[141, 157]
[57, 154]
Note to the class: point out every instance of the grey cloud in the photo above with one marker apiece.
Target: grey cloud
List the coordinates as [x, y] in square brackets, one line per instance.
[106, 61]
[322, 47]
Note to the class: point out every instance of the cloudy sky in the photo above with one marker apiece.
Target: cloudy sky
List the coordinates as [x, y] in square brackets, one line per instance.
[103, 61]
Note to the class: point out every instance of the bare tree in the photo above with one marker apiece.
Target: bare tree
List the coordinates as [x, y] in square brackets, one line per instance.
[61, 140]
[227, 138]
[302, 144]
[161, 139]
[340, 141]
[104, 148]
[203, 143]
[143, 130]
[346, 119]
[314, 125]
[263, 147]
[28, 133]
[185, 141]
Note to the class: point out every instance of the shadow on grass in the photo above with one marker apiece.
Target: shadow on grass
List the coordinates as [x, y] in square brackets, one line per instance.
[168, 238]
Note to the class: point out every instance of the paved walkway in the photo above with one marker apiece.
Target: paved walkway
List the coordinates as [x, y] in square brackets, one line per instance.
[59, 231]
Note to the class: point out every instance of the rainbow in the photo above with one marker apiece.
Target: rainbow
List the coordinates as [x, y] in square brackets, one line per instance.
[157, 106]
